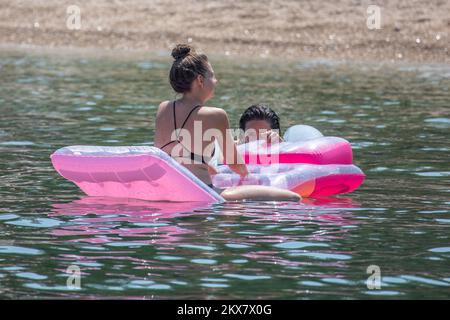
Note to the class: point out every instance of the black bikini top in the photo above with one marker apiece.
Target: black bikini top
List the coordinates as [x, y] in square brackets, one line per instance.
[194, 157]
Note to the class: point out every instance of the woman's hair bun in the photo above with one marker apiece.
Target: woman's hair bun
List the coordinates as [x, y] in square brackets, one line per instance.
[181, 50]
[187, 66]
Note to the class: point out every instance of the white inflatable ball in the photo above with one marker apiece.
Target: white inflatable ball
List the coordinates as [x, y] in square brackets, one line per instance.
[301, 132]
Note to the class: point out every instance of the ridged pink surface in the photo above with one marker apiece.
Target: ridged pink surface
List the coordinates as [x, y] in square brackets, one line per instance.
[324, 150]
[336, 184]
[148, 175]
[317, 167]
[308, 180]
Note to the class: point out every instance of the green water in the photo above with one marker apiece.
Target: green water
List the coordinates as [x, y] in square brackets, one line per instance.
[397, 118]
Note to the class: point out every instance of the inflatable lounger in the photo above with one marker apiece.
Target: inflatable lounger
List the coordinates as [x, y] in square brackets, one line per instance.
[306, 163]
[140, 172]
[307, 180]
[321, 150]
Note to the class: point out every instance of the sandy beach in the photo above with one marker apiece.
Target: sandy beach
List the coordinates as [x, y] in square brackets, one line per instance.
[413, 31]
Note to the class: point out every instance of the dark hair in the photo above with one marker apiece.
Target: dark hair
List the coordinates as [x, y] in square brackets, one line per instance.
[259, 112]
[187, 66]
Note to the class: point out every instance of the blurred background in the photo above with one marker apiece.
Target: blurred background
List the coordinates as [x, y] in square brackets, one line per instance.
[409, 30]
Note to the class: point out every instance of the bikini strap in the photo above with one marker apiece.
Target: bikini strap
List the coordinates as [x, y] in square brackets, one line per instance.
[177, 131]
[175, 124]
[189, 115]
[168, 144]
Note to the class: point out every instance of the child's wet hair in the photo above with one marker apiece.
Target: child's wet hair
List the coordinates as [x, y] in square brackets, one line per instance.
[187, 66]
[259, 112]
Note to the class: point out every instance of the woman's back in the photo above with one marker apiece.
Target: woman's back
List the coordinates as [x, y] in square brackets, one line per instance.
[180, 128]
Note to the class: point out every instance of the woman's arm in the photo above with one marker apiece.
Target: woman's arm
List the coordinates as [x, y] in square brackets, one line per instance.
[226, 142]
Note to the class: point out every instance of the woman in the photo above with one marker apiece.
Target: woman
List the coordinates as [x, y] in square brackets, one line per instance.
[182, 124]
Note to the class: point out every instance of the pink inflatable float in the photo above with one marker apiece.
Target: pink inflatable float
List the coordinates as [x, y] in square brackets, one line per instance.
[306, 180]
[322, 150]
[306, 163]
[140, 172]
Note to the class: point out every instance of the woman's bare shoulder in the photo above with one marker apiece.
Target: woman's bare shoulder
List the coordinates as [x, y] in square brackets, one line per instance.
[213, 111]
[213, 116]
[162, 106]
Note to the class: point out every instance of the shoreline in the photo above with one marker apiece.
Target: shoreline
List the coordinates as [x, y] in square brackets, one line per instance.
[134, 55]
[285, 30]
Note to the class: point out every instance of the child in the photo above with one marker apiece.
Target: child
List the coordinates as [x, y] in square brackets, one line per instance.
[259, 122]
[256, 123]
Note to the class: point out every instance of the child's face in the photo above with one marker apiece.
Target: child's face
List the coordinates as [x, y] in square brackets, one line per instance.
[256, 130]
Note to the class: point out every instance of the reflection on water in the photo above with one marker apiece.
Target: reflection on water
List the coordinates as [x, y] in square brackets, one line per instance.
[396, 118]
[147, 222]
[158, 240]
